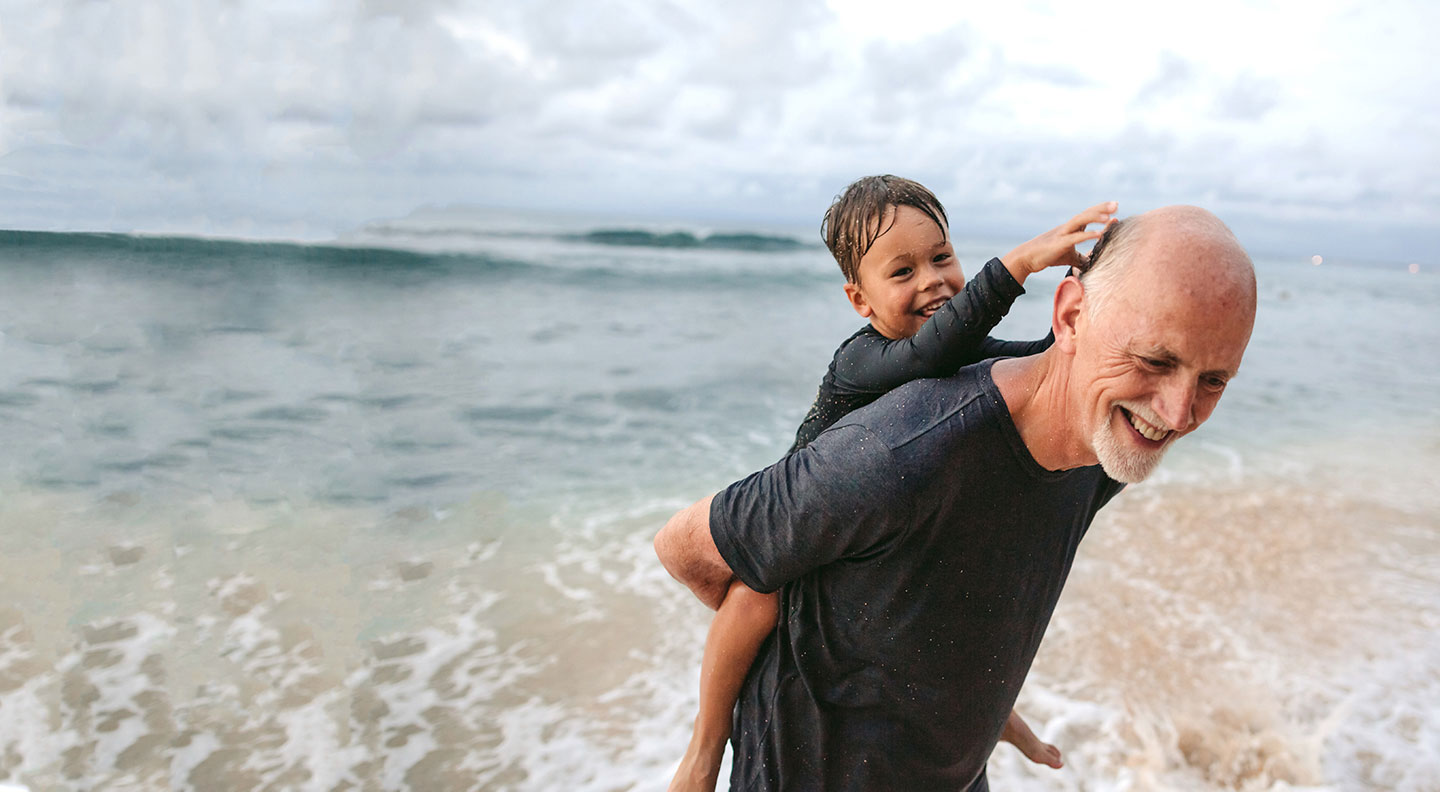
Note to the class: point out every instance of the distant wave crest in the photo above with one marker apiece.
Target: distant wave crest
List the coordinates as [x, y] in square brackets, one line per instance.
[191, 251]
[189, 254]
[741, 241]
[684, 239]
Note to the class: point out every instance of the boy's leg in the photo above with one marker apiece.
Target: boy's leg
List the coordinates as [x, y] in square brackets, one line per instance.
[741, 624]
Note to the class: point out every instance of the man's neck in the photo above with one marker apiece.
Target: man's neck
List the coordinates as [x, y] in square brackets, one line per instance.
[1035, 390]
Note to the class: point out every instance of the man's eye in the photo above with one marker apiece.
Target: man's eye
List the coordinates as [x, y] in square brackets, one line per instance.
[1215, 383]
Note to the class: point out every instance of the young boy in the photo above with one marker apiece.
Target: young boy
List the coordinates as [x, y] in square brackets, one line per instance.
[891, 238]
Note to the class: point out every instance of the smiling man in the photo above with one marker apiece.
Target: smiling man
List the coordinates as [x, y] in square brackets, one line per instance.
[1153, 332]
[922, 542]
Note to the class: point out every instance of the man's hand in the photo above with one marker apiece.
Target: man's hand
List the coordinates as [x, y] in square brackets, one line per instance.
[689, 554]
[1056, 247]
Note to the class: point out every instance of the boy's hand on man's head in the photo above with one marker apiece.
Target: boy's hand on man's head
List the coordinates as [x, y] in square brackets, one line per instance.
[1056, 247]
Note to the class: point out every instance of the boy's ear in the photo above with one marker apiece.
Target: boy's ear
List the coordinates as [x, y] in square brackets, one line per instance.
[1065, 318]
[857, 300]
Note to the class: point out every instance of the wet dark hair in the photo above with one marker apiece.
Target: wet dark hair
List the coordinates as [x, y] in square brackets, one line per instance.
[857, 217]
[1098, 252]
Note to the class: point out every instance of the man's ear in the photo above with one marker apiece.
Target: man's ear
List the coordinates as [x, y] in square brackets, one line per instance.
[857, 300]
[1065, 319]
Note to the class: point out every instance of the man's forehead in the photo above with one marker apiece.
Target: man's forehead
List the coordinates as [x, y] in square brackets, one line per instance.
[1184, 300]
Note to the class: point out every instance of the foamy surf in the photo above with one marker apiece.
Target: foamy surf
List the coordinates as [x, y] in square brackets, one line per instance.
[1239, 638]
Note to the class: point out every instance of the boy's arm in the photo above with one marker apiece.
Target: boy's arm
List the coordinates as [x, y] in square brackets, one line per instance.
[957, 334]
[948, 340]
[1056, 247]
[994, 347]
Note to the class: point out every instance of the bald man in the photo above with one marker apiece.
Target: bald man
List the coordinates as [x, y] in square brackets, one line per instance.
[921, 543]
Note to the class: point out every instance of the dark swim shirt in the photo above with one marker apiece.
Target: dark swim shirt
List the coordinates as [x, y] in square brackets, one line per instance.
[919, 550]
[868, 365]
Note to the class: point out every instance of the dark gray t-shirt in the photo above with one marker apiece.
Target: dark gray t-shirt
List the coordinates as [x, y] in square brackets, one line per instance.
[920, 551]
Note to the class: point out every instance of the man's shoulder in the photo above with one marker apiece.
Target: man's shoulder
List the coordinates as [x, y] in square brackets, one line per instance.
[931, 409]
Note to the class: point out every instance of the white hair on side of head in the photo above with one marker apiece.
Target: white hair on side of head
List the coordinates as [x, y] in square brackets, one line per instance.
[1107, 265]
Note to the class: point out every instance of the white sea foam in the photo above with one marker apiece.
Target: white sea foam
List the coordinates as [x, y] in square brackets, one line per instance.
[1214, 669]
[1188, 653]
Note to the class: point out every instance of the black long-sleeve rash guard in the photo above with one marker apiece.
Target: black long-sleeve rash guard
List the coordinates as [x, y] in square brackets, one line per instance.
[867, 365]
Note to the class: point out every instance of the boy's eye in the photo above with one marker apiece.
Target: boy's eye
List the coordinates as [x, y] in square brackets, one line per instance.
[942, 258]
[900, 273]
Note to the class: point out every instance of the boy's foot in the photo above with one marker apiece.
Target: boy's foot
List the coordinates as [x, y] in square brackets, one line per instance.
[1017, 732]
[1040, 752]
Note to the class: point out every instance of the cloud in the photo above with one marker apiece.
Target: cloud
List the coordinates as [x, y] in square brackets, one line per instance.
[234, 114]
[1054, 74]
[1248, 98]
[1173, 76]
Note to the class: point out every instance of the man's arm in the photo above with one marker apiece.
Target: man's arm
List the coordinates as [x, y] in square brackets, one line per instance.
[688, 552]
[837, 497]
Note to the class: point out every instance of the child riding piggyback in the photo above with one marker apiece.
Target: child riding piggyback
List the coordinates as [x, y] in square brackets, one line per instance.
[891, 238]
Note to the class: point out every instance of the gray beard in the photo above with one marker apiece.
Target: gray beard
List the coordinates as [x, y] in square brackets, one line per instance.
[1123, 464]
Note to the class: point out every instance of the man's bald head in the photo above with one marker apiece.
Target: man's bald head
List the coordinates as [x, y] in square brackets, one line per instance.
[1155, 330]
[1178, 240]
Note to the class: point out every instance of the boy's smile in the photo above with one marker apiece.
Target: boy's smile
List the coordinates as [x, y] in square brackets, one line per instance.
[907, 275]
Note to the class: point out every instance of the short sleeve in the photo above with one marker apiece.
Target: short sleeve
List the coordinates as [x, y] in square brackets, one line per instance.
[838, 497]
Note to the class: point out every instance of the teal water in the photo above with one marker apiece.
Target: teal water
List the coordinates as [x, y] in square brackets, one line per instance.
[376, 514]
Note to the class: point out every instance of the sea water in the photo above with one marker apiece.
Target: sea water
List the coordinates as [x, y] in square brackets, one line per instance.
[376, 514]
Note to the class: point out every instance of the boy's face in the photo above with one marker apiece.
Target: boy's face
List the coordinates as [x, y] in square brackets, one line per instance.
[907, 274]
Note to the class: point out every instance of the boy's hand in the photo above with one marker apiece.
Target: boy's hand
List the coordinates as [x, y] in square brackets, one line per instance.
[1056, 247]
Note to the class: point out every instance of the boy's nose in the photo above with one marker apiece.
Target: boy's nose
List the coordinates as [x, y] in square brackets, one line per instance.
[930, 278]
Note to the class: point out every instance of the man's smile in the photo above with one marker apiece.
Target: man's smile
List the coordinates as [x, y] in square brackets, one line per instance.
[1152, 434]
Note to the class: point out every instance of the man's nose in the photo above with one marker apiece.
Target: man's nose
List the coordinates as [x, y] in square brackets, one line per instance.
[1176, 402]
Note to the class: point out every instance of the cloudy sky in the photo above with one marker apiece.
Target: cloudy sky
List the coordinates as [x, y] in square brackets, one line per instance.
[1309, 126]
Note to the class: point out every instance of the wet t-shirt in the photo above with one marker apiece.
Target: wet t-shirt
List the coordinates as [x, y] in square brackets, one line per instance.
[919, 550]
[868, 365]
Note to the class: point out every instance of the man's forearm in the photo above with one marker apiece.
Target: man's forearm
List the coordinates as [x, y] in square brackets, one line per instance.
[689, 554]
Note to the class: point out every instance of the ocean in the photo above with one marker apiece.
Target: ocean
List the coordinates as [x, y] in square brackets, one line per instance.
[376, 514]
